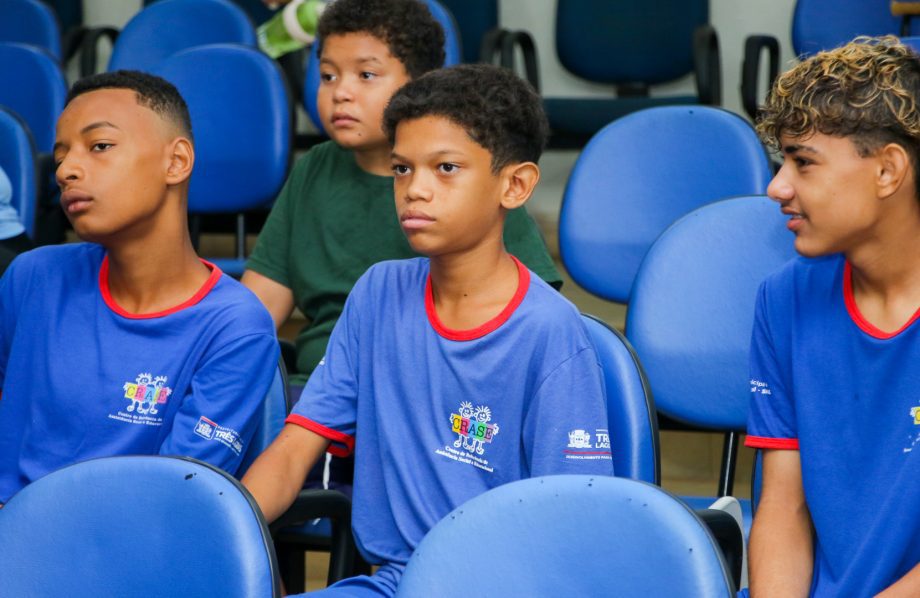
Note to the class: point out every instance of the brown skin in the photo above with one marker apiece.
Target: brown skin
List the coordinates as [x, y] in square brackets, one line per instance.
[123, 172]
[865, 207]
[358, 77]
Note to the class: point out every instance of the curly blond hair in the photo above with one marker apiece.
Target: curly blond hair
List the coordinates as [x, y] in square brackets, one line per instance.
[867, 90]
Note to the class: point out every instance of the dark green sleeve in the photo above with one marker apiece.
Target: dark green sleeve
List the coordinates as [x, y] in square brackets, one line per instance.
[271, 255]
[524, 241]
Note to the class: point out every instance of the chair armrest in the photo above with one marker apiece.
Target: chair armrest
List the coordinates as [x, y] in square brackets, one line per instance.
[707, 65]
[750, 69]
[89, 47]
[729, 537]
[502, 43]
[315, 504]
[491, 45]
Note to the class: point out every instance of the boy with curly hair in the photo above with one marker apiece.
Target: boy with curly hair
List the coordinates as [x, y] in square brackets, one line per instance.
[456, 373]
[836, 341]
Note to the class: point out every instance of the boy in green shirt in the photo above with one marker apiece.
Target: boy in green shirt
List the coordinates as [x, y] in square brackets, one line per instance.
[335, 216]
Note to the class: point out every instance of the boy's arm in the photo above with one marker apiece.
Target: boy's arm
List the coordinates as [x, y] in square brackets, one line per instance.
[781, 545]
[277, 298]
[906, 587]
[279, 473]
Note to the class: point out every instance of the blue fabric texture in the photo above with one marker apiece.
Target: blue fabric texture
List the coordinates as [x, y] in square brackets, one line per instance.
[441, 420]
[81, 380]
[10, 226]
[824, 381]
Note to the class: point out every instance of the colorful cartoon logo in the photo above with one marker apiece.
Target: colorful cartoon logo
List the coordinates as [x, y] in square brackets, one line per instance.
[472, 427]
[146, 392]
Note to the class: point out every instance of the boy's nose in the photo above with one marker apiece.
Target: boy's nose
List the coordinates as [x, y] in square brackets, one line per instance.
[68, 170]
[418, 189]
[779, 188]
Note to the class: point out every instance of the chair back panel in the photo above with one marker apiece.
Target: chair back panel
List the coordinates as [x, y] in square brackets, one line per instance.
[825, 24]
[30, 22]
[569, 536]
[17, 159]
[271, 420]
[692, 309]
[169, 26]
[641, 173]
[33, 86]
[96, 528]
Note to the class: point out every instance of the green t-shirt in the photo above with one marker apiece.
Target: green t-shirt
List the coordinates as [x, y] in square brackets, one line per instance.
[331, 222]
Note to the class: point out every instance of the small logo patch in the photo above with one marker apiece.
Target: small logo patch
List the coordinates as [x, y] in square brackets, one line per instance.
[211, 431]
[584, 445]
[205, 428]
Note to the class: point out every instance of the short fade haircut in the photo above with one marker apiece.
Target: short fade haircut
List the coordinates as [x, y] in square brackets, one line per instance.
[866, 90]
[407, 27]
[152, 92]
[499, 110]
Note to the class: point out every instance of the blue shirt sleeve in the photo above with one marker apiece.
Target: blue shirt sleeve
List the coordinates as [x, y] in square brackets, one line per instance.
[217, 419]
[328, 405]
[565, 428]
[12, 289]
[771, 419]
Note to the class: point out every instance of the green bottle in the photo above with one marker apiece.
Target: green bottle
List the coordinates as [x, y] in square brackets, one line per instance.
[292, 27]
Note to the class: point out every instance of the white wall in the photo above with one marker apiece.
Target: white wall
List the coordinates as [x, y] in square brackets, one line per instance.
[734, 20]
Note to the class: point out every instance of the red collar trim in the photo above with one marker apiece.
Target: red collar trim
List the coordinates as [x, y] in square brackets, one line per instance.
[491, 325]
[858, 318]
[198, 296]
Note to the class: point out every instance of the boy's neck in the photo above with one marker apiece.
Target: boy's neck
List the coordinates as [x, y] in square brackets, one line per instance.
[374, 160]
[473, 287]
[154, 273]
[886, 272]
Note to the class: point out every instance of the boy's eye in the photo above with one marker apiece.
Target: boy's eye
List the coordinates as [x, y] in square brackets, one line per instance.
[448, 168]
[801, 162]
[101, 146]
[400, 169]
[368, 75]
[326, 77]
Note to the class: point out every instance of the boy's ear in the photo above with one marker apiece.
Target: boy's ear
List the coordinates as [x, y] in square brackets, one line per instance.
[181, 160]
[895, 168]
[519, 182]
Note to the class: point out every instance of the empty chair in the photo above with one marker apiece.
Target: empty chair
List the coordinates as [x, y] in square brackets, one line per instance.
[30, 22]
[33, 86]
[569, 536]
[692, 311]
[241, 120]
[640, 174]
[169, 26]
[17, 159]
[97, 528]
[452, 55]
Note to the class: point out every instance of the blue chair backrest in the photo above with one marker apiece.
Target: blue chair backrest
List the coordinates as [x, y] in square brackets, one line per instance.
[30, 22]
[271, 420]
[692, 308]
[241, 120]
[96, 528]
[169, 26]
[825, 24]
[912, 42]
[474, 19]
[623, 41]
[452, 56]
[33, 86]
[17, 159]
[631, 419]
[569, 536]
[641, 173]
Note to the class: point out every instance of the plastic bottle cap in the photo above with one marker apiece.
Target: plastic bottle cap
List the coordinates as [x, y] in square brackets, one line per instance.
[292, 24]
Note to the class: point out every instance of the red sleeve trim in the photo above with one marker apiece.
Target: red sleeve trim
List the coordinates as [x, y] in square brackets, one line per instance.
[491, 325]
[194, 299]
[763, 442]
[346, 443]
[858, 318]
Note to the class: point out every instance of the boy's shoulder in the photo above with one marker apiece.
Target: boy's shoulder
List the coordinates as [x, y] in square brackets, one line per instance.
[56, 261]
[800, 278]
[238, 304]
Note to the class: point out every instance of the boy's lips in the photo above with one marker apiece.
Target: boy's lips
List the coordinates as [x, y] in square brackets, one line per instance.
[341, 118]
[414, 220]
[795, 222]
[74, 201]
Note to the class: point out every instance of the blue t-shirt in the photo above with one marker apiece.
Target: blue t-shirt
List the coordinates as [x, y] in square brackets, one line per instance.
[846, 395]
[444, 415]
[10, 225]
[82, 378]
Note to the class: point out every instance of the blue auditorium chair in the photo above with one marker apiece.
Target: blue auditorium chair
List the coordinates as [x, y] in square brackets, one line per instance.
[30, 22]
[136, 526]
[692, 311]
[632, 46]
[32, 85]
[640, 174]
[241, 121]
[569, 536]
[475, 19]
[18, 161]
[820, 25]
[166, 27]
[452, 51]
[275, 409]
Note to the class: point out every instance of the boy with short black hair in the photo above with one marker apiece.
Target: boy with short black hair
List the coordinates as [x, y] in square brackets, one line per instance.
[836, 342]
[453, 374]
[128, 343]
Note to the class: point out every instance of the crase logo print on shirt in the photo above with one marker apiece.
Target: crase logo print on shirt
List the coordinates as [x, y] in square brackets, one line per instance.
[145, 396]
[474, 430]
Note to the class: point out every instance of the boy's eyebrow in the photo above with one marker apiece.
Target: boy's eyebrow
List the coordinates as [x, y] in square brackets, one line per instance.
[443, 152]
[795, 148]
[98, 125]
